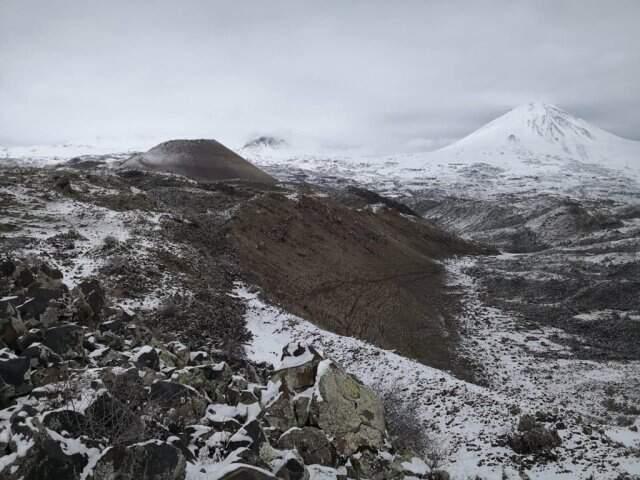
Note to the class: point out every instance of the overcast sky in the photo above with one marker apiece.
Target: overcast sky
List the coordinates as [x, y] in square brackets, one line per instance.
[396, 75]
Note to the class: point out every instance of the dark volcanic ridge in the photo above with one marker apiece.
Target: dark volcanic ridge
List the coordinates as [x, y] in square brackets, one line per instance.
[372, 273]
[203, 160]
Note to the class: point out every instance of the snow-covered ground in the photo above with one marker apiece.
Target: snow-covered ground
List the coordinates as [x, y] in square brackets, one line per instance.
[470, 422]
[51, 154]
[53, 222]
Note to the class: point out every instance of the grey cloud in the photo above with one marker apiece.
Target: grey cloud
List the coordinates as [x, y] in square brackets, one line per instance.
[395, 75]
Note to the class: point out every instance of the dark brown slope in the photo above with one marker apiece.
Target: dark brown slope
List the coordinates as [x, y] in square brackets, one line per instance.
[355, 272]
[204, 160]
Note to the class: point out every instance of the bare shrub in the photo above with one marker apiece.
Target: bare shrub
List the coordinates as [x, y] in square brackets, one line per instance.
[532, 437]
[205, 318]
[111, 415]
[623, 406]
[407, 433]
[625, 421]
[110, 243]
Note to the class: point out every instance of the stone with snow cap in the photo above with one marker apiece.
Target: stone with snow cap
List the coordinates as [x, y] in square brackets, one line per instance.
[37, 453]
[249, 436]
[147, 357]
[292, 468]
[239, 471]
[309, 390]
[218, 413]
[298, 365]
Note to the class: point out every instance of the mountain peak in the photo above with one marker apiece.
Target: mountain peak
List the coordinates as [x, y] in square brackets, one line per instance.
[540, 108]
[538, 126]
[538, 131]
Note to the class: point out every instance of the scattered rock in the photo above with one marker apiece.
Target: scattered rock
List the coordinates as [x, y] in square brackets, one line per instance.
[154, 460]
[311, 443]
[147, 357]
[211, 379]
[14, 379]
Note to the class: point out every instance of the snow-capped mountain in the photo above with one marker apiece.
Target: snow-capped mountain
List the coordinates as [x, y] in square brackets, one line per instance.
[538, 136]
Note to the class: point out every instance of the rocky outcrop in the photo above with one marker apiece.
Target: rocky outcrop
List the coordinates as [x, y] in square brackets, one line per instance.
[321, 410]
[347, 410]
[101, 398]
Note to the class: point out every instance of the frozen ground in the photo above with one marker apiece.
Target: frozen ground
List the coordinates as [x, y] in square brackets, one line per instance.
[75, 236]
[470, 422]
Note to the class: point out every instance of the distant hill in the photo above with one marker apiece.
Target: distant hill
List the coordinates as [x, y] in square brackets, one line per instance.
[205, 160]
[265, 142]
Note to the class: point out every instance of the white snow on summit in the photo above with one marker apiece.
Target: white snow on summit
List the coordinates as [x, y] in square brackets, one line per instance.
[538, 135]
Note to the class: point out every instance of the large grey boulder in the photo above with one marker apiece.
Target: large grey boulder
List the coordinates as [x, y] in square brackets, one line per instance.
[311, 391]
[347, 410]
[299, 364]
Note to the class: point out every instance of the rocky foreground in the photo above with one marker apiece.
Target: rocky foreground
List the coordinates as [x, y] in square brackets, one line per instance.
[123, 345]
[88, 392]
